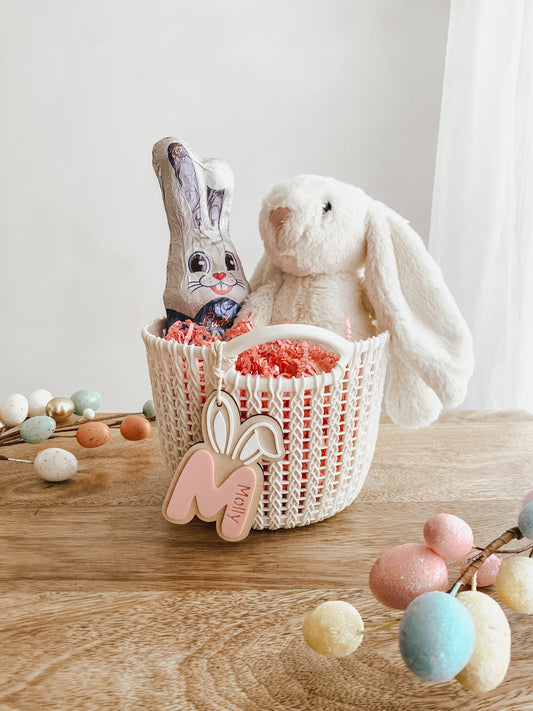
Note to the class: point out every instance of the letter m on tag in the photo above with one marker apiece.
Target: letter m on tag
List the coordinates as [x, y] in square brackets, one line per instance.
[232, 504]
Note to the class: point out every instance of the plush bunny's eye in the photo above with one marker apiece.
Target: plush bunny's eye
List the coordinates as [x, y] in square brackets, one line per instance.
[231, 264]
[198, 262]
[326, 207]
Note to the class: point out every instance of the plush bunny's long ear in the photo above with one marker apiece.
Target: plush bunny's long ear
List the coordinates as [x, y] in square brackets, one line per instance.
[429, 337]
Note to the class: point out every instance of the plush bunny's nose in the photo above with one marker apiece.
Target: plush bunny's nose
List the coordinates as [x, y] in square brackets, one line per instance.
[279, 216]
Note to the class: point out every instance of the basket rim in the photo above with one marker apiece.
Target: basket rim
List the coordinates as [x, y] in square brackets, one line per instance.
[253, 382]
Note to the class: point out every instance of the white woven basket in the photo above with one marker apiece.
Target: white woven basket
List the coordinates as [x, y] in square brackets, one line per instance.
[329, 421]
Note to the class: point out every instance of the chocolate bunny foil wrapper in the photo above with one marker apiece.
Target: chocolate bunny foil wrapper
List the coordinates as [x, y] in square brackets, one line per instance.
[205, 278]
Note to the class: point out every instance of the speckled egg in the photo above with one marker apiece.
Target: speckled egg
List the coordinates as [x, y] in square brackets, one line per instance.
[37, 429]
[487, 572]
[135, 428]
[488, 665]
[436, 636]
[406, 571]
[37, 402]
[14, 410]
[525, 521]
[92, 434]
[514, 584]
[84, 399]
[149, 408]
[55, 464]
[333, 629]
[448, 535]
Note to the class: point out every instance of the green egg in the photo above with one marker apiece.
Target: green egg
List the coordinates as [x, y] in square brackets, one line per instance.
[149, 409]
[37, 429]
[84, 399]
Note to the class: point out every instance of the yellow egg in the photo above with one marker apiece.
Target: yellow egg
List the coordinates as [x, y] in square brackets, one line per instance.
[334, 629]
[60, 408]
[515, 584]
[490, 659]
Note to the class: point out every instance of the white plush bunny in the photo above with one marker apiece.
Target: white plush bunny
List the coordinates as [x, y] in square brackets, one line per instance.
[331, 251]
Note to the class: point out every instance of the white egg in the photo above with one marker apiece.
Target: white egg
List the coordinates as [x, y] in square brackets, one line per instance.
[38, 401]
[55, 464]
[14, 410]
[89, 413]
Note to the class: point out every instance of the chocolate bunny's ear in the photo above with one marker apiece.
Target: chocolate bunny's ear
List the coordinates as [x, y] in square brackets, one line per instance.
[183, 165]
[431, 346]
[220, 184]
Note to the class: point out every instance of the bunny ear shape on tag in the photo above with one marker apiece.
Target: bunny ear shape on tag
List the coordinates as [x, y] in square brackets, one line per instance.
[262, 438]
[220, 422]
[410, 299]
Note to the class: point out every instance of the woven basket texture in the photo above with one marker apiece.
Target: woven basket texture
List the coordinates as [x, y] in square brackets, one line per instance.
[329, 421]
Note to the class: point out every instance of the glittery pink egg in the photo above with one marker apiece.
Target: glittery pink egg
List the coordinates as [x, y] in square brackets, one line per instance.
[448, 535]
[406, 571]
[488, 572]
[528, 499]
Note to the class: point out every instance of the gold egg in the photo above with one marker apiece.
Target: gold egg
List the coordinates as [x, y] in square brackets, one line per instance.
[60, 408]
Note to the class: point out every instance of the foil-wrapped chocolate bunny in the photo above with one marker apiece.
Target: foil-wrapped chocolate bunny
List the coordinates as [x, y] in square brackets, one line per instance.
[205, 279]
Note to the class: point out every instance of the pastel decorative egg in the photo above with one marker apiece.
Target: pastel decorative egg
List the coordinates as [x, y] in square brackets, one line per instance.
[448, 535]
[406, 571]
[529, 498]
[83, 399]
[14, 410]
[92, 434]
[149, 408]
[514, 584]
[89, 413]
[60, 408]
[334, 629]
[525, 521]
[37, 429]
[487, 572]
[488, 665]
[37, 402]
[55, 464]
[436, 636]
[135, 428]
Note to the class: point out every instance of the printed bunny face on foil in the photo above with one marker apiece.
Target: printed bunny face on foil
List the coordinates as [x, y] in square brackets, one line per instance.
[220, 478]
[205, 279]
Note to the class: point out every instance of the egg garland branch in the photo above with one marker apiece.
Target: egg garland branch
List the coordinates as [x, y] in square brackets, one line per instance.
[506, 537]
[13, 435]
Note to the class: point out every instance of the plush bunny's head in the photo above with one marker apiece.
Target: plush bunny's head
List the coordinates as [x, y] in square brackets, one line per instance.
[314, 225]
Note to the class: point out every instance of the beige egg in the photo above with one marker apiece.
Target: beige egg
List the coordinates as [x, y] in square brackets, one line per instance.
[334, 629]
[515, 584]
[490, 659]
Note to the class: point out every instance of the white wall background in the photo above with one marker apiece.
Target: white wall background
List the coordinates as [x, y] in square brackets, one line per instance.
[350, 88]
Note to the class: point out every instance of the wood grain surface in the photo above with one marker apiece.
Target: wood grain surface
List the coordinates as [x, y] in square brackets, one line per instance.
[106, 605]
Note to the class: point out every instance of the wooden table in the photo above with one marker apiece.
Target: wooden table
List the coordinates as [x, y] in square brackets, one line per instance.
[106, 605]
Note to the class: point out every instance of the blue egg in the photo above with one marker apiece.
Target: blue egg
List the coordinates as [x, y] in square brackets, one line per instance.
[525, 521]
[84, 399]
[436, 636]
[149, 409]
[37, 429]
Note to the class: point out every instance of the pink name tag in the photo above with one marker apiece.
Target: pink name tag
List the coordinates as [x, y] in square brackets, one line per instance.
[220, 478]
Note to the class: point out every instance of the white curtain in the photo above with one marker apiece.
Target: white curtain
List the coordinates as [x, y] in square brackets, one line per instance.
[482, 217]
